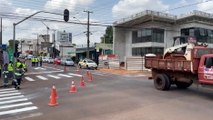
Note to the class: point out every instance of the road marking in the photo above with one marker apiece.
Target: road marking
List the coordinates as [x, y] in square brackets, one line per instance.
[29, 79]
[75, 74]
[52, 68]
[56, 77]
[38, 73]
[68, 76]
[12, 101]
[98, 74]
[8, 92]
[15, 105]
[41, 77]
[7, 89]
[13, 97]
[5, 95]
[18, 110]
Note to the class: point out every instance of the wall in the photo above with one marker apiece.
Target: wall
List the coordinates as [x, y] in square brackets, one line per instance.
[119, 42]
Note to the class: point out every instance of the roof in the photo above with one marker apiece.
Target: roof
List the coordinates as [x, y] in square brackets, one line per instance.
[150, 15]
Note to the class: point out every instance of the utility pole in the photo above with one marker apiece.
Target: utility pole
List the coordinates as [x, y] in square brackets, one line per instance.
[88, 32]
[1, 31]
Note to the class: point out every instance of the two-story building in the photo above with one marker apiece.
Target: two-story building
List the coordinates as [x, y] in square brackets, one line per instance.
[153, 32]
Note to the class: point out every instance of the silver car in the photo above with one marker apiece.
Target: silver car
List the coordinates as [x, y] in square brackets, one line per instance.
[67, 61]
[50, 60]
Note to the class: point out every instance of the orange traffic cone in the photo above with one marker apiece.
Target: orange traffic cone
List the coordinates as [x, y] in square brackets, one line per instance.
[77, 71]
[53, 101]
[73, 89]
[82, 84]
[65, 68]
[90, 77]
[87, 73]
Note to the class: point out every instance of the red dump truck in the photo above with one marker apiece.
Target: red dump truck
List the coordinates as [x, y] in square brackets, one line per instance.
[183, 64]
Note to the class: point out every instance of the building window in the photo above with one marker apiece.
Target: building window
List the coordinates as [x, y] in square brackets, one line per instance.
[148, 35]
[146, 50]
[201, 34]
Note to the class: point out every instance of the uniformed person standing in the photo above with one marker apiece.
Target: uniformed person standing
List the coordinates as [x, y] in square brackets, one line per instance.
[18, 63]
[18, 77]
[24, 66]
[36, 61]
[10, 69]
[5, 75]
[33, 61]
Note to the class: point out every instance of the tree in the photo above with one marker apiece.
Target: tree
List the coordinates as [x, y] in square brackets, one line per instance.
[108, 36]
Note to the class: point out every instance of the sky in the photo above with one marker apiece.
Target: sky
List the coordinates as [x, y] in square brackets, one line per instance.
[105, 12]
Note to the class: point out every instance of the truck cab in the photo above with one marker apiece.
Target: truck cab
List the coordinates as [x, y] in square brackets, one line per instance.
[205, 70]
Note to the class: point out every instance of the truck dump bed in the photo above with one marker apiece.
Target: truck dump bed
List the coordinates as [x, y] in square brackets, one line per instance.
[168, 64]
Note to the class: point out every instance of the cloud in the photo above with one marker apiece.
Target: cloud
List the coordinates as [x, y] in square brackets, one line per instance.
[71, 5]
[205, 6]
[25, 11]
[125, 8]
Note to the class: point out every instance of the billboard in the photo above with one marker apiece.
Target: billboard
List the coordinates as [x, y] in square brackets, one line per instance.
[64, 37]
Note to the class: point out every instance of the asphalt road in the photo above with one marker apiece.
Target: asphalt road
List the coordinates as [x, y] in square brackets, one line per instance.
[107, 97]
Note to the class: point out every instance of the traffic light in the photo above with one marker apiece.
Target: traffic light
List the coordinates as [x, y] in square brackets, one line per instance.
[66, 15]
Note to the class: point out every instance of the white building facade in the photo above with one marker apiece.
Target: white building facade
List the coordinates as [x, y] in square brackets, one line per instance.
[153, 32]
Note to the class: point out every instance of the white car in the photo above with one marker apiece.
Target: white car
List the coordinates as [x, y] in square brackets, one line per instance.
[87, 63]
[67, 61]
[45, 59]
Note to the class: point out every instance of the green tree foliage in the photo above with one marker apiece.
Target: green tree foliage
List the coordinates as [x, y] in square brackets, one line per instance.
[108, 36]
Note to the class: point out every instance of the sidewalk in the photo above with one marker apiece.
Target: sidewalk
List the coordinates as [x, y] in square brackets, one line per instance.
[124, 72]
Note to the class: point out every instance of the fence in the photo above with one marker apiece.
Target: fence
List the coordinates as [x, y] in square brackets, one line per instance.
[135, 63]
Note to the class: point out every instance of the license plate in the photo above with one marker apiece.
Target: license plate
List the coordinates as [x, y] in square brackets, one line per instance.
[209, 77]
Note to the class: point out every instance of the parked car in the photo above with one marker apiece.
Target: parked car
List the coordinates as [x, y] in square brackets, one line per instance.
[50, 60]
[45, 59]
[87, 63]
[67, 61]
[29, 57]
[57, 61]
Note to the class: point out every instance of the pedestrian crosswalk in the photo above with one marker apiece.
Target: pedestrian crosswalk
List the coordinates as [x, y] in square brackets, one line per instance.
[56, 76]
[13, 102]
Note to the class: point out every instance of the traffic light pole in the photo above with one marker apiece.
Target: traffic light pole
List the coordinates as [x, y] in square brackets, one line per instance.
[14, 33]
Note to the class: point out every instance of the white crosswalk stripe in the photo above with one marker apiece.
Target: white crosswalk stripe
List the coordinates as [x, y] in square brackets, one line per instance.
[77, 75]
[41, 77]
[12, 102]
[40, 68]
[29, 79]
[53, 76]
[64, 75]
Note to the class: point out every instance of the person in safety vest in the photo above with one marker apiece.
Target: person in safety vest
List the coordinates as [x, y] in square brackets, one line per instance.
[18, 63]
[24, 66]
[33, 61]
[36, 61]
[10, 69]
[18, 77]
[5, 75]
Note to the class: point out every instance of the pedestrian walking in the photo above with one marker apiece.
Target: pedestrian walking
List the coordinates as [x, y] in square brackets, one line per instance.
[5, 75]
[18, 77]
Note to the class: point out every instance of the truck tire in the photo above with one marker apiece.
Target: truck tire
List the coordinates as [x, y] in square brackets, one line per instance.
[182, 85]
[162, 82]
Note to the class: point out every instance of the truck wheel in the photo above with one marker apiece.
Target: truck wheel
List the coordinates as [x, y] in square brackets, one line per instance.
[162, 82]
[183, 85]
